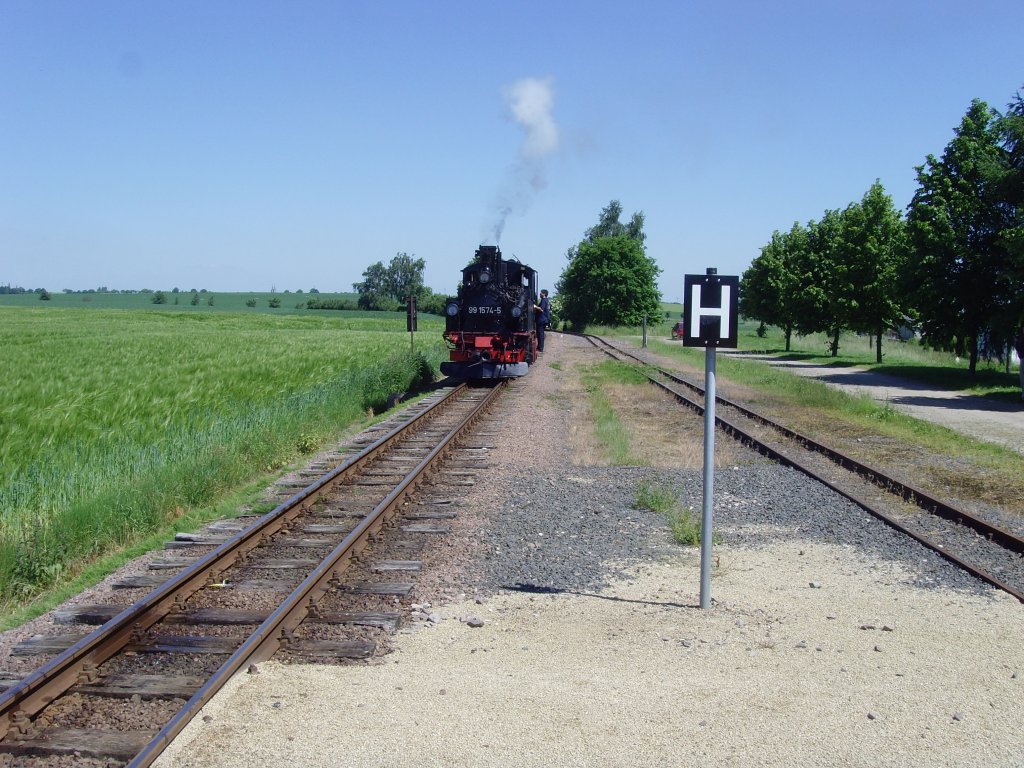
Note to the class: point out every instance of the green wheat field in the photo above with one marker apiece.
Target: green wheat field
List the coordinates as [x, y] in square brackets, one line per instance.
[113, 421]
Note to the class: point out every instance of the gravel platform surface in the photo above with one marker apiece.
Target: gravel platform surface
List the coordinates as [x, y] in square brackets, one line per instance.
[565, 631]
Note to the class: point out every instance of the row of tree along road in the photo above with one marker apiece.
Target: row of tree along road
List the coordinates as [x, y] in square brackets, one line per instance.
[953, 267]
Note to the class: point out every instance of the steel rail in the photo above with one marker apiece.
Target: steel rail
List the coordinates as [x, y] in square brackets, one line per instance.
[945, 510]
[276, 631]
[79, 662]
[908, 492]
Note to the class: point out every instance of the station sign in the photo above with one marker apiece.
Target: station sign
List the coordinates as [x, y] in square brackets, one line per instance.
[711, 310]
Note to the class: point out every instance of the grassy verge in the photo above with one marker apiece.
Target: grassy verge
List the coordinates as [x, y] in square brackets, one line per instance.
[244, 499]
[610, 433]
[907, 359]
[818, 403]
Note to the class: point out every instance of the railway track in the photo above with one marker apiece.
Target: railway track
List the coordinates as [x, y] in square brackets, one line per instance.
[988, 551]
[314, 578]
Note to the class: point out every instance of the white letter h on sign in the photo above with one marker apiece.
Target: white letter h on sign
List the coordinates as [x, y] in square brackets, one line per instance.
[699, 311]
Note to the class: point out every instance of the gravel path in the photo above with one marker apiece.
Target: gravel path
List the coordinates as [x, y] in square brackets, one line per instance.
[830, 642]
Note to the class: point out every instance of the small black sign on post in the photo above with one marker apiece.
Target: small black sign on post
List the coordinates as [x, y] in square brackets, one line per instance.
[410, 319]
[711, 309]
[711, 312]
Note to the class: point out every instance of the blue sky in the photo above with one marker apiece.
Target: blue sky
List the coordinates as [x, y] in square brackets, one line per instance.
[251, 145]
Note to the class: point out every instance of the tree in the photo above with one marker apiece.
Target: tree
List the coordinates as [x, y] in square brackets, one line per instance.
[957, 226]
[405, 277]
[610, 281]
[159, 298]
[821, 301]
[387, 287]
[768, 286]
[44, 295]
[1010, 129]
[875, 251]
[373, 293]
[610, 226]
[431, 303]
[832, 274]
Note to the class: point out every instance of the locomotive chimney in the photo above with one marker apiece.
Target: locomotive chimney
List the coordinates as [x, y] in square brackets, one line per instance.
[488, 255]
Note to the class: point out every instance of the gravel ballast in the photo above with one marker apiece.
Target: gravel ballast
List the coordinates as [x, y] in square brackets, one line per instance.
[862, 670]
[565, 631]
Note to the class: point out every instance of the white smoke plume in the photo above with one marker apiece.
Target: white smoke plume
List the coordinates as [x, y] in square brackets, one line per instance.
[530, 102]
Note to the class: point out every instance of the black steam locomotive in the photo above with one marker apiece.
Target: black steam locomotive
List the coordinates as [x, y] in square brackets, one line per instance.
[491, 324]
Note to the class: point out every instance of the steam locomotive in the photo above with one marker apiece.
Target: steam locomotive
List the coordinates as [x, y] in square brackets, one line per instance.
[490, 326]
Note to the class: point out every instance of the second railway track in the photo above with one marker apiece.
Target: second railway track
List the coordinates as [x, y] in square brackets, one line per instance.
[983, 548]
[293, 581]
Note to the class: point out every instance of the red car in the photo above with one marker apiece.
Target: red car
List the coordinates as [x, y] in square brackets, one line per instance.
[677, 330]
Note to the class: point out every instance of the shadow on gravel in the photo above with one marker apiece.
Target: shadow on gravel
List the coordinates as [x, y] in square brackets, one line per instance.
[536, 589]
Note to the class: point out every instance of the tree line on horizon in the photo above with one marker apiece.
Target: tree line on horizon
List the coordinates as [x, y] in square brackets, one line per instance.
[13, 290]
[953, 267]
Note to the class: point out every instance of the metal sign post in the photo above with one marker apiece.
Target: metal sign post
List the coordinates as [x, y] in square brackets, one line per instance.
[710, 306]
[707, 510]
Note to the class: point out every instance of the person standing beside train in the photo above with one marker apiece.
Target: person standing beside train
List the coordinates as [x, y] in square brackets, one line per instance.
[543, 316]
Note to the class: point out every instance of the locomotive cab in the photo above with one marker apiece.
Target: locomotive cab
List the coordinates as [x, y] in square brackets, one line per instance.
[490, 327]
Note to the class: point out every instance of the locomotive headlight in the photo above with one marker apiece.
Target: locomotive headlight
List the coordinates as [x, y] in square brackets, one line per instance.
[452, 309]
[517, 311]
[485, 276]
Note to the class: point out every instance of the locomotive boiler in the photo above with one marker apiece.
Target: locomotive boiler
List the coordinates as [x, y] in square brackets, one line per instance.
[490, 326]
